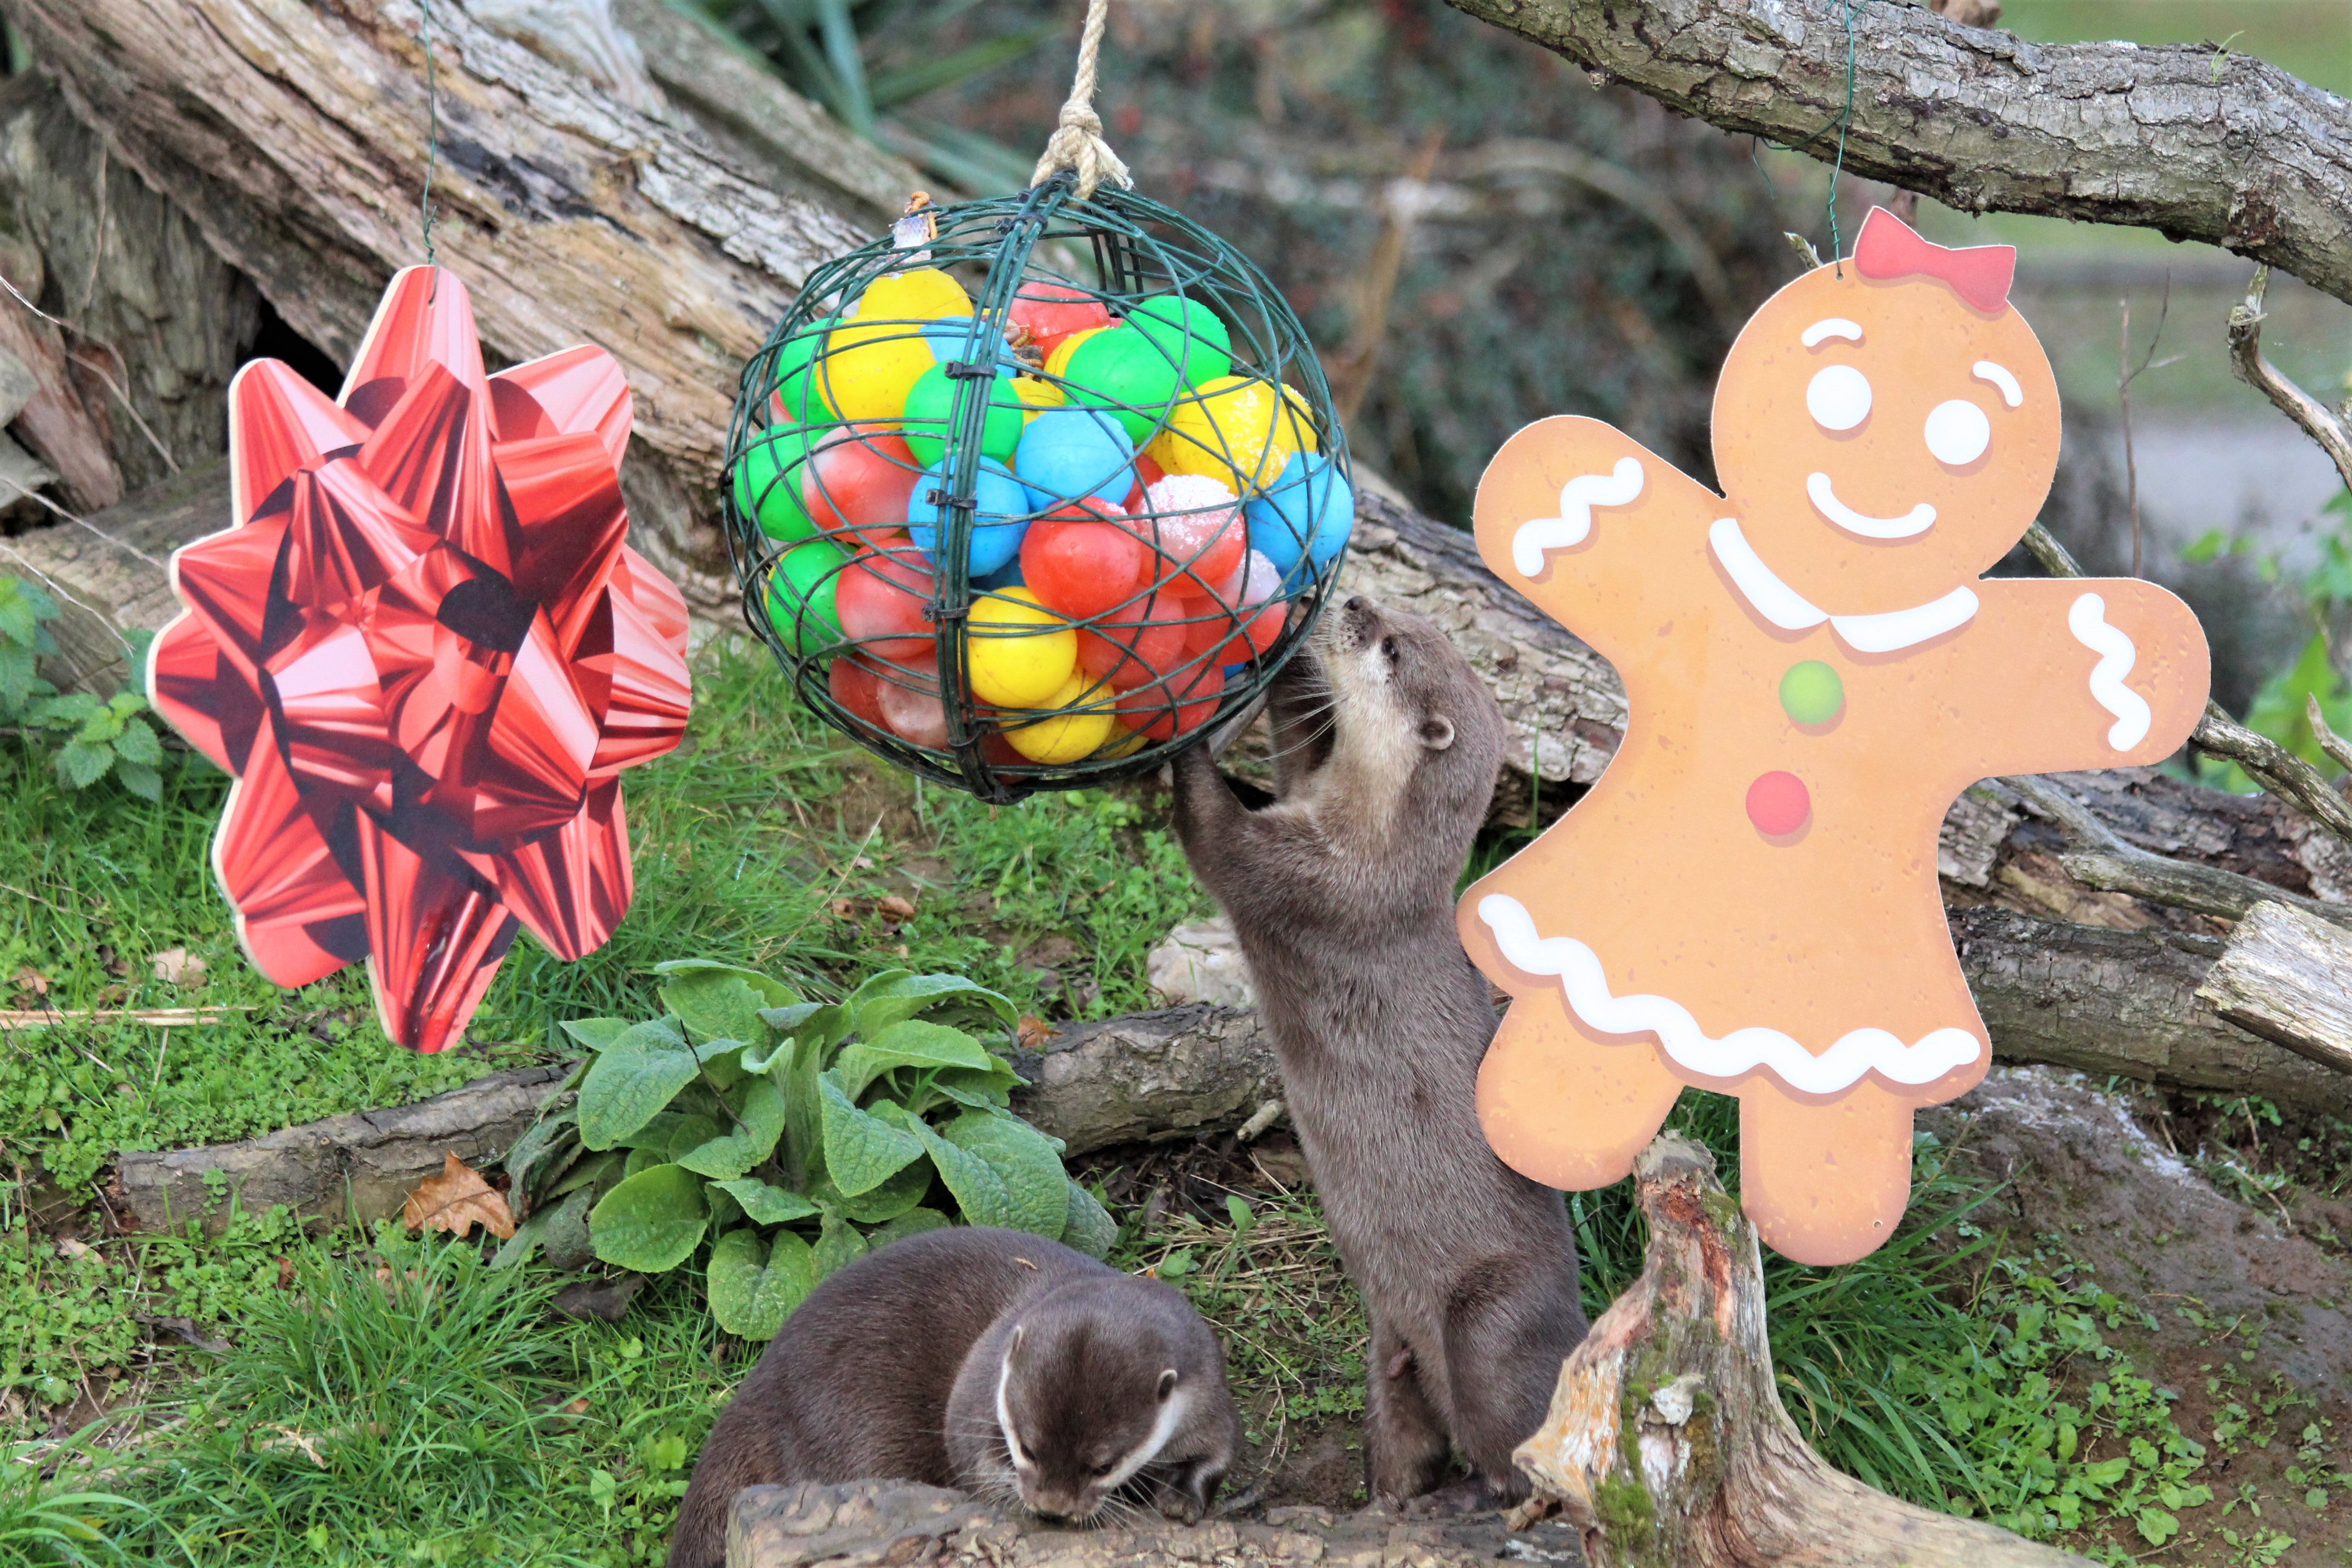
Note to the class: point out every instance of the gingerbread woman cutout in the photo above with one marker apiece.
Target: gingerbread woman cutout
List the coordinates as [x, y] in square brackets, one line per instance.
[1746, 899]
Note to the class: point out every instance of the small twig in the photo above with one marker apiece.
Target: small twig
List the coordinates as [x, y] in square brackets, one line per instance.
[2125, 373]
[2055, 557]
[2336, 746]
[80, 522]
[124, 398]
[2277, 769]
[2310, 415]
[164, 1017]
[1802, 247]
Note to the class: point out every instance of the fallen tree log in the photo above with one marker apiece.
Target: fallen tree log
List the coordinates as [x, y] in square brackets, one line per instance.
[2287, 976]
[1667, 1443]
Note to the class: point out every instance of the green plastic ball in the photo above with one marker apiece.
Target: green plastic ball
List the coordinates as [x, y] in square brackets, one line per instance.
[768, 482]
[1811, 694]
[930, 401]
[801, 597]
[1190, 332]
[1124, 371]
[796, 378]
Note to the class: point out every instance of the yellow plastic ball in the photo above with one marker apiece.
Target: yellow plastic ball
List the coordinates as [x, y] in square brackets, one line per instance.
[1036, 396]
[1296, 427]
[922, 294]
[1068, 736]
[1058, 364]
[1021, 653]
[872, 361]
[1229, 431]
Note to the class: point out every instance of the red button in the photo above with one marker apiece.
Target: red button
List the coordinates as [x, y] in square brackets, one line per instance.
[1779, 804]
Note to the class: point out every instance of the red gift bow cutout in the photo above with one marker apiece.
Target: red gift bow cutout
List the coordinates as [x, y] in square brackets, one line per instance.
[1888, 247]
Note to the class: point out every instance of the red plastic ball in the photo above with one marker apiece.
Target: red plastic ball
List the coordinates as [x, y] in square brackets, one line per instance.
[856, 688]
[1133, 645]
[858, 482]
[1147, 472]
[1196, 538]
[1779, 803]
[1176, 706]
[1052, 312]
[1076, 559]
[883, 599]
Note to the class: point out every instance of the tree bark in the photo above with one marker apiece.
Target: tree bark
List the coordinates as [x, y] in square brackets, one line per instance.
[2187, 138]
[2284, 976]
[1667, 1443]
[295, 136]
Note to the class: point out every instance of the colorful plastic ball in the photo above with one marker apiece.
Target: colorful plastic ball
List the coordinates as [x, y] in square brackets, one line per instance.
[931, 400]
[1228, 431]
[1129, 374]
[918, 293]
[1081, 723]
[768, 482]
[1019, 652]
[796, 396]
[854, 686]
[1080, 561]
[1189, 333]
[1000, 514]
[1248, 615]
[1052, 312]
[1308, 513]
[1034, 397]
[1058, 364]
[1176, 706]
[1135, 644]
[1147, 472]
[1065, 454]
[801, 596]
[883, 601]
[856, 482]
[911, 709]
[1195, 529]
[872, 358]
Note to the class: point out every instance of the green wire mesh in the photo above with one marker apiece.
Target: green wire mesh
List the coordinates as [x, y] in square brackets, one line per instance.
[821, 476]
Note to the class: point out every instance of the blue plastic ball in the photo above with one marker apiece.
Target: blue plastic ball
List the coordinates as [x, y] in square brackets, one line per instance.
[1069, 453]
[1000, 514]
[1308, 513]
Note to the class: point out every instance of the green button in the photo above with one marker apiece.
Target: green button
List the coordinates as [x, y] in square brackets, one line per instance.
[1811, 694]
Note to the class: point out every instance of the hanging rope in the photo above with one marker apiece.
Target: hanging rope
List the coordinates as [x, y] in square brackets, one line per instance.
[432, 129]
[1078, 141]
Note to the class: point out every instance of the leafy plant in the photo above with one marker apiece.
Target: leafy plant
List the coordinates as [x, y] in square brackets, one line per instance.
[98, 737]
[748, 1117]
[2281, 707]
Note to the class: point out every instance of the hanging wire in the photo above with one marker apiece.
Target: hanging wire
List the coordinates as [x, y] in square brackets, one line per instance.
[432, 129]
[1840, 120]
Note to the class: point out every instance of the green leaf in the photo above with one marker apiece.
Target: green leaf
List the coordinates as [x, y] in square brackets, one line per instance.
[725, 1158]
[894, 1197]
[772, 993]
[564, 1242]
[837, 1246]
[80, 764]
[765, 1204]
[896, 995]
[19, 675]
[140, 780]
[1024, 1161]
[546, 1148]
[2206, 546]
[588, 1172]
[892, 88]
[812, 1028]
[1088, 1226]
[908, 1043]
[631, 1080]
[66, 712]
[688, 1133]
[994, 1085]
[914, 1222]
[861, 1150]
[596, 1034]
[2156, 1526]
[137, 743]
[652, 1222]
[755, 1285]
[715, 1004]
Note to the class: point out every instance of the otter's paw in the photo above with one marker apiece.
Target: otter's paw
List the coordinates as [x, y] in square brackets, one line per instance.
[1471, 1494]
[1183, 1496]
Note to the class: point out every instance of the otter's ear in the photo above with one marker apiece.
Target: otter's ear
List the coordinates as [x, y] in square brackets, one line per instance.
[1167, 1384]
[1437, 731]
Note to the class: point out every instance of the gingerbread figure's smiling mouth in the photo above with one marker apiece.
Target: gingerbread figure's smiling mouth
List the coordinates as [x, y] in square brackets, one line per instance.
[1911, 524]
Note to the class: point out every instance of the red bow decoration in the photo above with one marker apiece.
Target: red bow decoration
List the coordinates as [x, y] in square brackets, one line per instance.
[427, 653]
[1888, 248]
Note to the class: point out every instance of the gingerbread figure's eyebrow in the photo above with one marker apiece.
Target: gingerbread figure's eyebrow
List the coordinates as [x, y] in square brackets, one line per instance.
[2010, 393]
[1831, 327]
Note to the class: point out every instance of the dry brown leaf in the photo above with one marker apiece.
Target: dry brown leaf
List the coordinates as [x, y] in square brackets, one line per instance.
[843, 909]
[897, 908]
[31, 979]
[176, 967]
[456, 1201]
[1034, 1032]
[73, 1248]
[286, 1273]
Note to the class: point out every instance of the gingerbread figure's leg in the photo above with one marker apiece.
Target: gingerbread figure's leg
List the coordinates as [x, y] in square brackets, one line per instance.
[1566, 1106]
[1825, 1183]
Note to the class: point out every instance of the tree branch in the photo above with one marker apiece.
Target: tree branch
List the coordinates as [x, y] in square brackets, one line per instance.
[2308, 413]
[2195, 142]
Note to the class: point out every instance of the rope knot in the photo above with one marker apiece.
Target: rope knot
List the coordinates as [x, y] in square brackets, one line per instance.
[1078, 141]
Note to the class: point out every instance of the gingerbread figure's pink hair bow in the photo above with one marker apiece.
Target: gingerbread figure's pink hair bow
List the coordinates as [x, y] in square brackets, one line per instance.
[1888, 247]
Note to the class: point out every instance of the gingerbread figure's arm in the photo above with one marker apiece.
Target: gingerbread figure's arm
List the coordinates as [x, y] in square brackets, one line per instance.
[2058, 674]
[1601, 533]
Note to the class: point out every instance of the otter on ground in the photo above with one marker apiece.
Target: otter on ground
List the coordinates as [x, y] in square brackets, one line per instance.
[1341, 890]
[991, 1359]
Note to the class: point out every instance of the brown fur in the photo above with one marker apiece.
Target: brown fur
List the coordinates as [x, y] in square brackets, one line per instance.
[1341, 893]
[890, 1369]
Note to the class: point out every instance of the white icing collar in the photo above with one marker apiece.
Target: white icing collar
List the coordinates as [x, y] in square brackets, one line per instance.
[1791, 611]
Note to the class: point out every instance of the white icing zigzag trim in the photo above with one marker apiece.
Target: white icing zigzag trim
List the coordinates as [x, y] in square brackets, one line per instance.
[1774, 600]
[1577, 500]
[2087, 619]
[1839, 1068]
[1900, 629]
[1918, 519]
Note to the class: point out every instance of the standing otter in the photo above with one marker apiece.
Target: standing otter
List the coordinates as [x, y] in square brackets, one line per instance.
[1342, 891]
[991, 1359]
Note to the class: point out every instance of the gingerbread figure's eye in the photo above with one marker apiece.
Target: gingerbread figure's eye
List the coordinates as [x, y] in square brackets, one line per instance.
[1838, 397]
[1957, 432]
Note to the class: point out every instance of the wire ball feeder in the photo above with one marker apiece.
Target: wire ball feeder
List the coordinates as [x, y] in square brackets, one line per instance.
[1039, 490]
